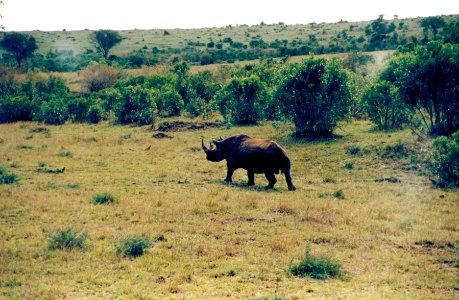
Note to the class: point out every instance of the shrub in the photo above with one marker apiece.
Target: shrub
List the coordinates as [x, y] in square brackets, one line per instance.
[7, 178]
[417, 72]
[349, 165]
[133, 246]
[52, 112]
[95, 114]
[66, 239]
[353, 150]
[109, 97]
[102, 198]
[97, 77]
[339, 194]
[15, 108]
[169, 102]
[315, 94]
[135, 106]
[445, 160]
[64, 153]
[384, 107]
[242, 100]
[355, 60]
[315, 267]
[77, 109]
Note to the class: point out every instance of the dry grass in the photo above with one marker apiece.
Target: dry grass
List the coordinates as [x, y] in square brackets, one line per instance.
[394, 240]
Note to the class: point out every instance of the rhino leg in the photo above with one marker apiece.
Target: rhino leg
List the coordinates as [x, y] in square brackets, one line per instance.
[229, 174]
[251, 176]
[271, 179]
[288, 179]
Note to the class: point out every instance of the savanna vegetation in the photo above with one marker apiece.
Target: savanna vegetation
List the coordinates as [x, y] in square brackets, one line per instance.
[105, 191]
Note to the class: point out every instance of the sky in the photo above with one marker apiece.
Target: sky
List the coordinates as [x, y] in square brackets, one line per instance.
[50, 15]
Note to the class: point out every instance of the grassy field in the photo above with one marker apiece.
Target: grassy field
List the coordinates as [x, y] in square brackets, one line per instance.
[395, 239]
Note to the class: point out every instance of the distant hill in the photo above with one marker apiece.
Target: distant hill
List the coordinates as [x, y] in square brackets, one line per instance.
[237, 43]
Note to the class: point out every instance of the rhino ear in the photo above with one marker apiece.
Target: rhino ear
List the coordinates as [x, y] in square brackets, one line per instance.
[217, 143]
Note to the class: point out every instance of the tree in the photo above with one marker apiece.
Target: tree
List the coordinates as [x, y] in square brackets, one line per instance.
[242, 100]
[105, 40]
[384, 107]
[20, 45]
[427, 78]
[315, 94]
[432, 24]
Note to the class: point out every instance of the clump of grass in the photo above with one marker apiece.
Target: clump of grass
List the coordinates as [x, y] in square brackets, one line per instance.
[329, 180]
[396, 151]
[73, 185]
[90, 139]
[102, 198]
[64, 154]
[7, 178]
[339, 194]
[283, 208]
[349, 165]
[315, 267]
[126, 136]
[231, 273]
[353, 150]
[39, 130]
[23, 147]
[66, 239]
[43, 169]
[133, 246]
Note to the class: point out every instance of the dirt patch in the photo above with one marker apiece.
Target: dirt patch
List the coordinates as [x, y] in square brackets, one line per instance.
[183, 126]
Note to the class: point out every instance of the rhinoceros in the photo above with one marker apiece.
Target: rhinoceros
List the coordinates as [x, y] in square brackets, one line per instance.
[254, 155]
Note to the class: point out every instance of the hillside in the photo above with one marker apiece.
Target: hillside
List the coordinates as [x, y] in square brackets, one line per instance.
[235, 43]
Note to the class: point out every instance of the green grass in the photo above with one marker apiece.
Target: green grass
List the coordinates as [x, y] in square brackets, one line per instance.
[103, 198]
[378, 233]
[316, 267]
[6, 177]
[133, 246]
[66, 239]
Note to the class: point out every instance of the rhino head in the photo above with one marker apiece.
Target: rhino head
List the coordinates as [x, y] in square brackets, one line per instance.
[214, 152]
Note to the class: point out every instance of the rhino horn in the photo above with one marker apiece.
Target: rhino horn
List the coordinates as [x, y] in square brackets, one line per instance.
[202, 143]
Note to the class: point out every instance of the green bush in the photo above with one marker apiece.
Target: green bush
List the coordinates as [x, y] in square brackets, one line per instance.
[133, 246]
[243, 100]
[7, 178]
[52, 112]
[315, 94]
[416, 72]
[135, 106]
[349, 165]
[15, 108]
[103, 198]
[66, 239]
[95, 114]
[77, 109]
[445, 160]
[315, 267]
[384, 106]
[353, 150]
[169, 102]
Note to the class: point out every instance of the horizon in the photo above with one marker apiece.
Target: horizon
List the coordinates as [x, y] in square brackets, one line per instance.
[55, 15]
